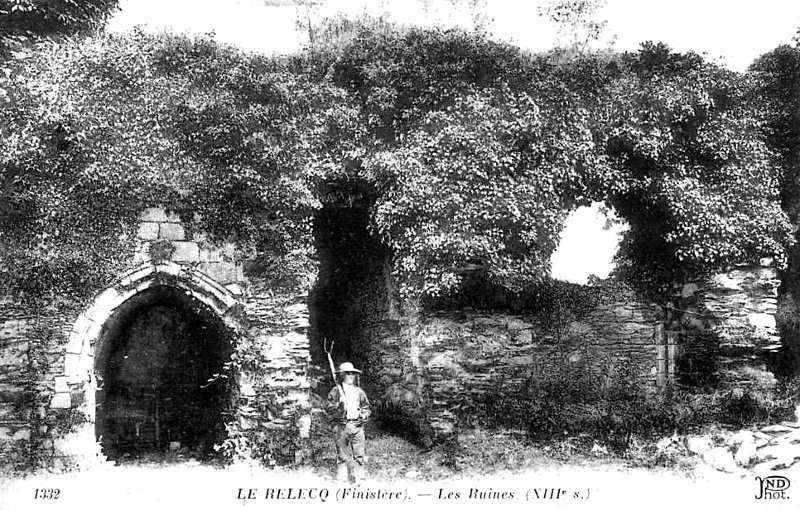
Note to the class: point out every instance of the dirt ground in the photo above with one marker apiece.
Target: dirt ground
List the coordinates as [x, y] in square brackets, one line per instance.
[485, 468]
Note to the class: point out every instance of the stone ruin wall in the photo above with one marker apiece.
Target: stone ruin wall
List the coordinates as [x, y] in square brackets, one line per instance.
[431, 368]
[47, 395]
[727, 325]
[426, 366]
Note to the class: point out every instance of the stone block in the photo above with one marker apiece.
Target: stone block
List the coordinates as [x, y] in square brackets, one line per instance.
[154, 214]
[168, 268]
[689, 290]
[304, 424]
[11, 434]
[61, 384]
[698, 445]
[61, 401]
[210, 255]
[516, 324]
[521, 360]
[746, 451]
[142, 256]
[83, 326]
[720, 459]
[72, 365]
[148, 230]
[221, 272]
[14, 355]
[525, 336]
[235, 289]
[762, 320]
[185, 251]
[172, 232]
[137, 275]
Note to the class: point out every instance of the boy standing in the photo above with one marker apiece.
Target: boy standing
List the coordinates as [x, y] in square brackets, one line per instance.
[348, 412]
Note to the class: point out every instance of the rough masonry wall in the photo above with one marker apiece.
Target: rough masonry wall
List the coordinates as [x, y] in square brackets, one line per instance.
[728, 329]
[274, 390]
[431, 367]
[32, 353]
[47, 395]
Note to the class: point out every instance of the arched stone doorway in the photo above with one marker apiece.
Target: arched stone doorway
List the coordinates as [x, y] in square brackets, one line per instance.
[162, 378]
[145, 366]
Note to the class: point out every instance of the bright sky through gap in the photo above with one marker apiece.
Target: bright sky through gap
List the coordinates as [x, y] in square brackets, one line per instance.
[730, 32]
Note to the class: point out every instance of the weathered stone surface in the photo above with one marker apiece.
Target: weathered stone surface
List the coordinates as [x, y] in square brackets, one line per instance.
[171, 232]
[14, 353]
[154, 214]
[61, 401]
[745, 452]
[61, 385]
[728, 329]
[777, 429]
[720, 459]
[147, 231]
[14, 328]
[698, 445]
[474, 356]
[222, 272]
[185, 251]
[210, 254]
[14, 433]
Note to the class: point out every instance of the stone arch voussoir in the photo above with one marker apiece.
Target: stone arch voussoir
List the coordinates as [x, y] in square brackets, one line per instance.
[78, 364]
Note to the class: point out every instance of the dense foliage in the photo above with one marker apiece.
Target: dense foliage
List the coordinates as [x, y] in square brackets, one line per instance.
[26, 18]
[93, 132]
[702, 186]
[470, 153]
[776, 76]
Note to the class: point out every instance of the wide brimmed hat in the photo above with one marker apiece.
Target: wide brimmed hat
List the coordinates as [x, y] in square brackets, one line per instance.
[348, 367]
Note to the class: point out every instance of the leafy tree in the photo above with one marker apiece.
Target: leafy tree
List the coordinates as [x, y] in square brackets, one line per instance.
[577, 21]
[93, 131]
[471, 152]
[701, 184]
[480, 152]
[27, 18]
[776, 93]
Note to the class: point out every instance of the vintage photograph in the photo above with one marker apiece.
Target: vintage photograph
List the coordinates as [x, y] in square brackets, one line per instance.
[305, 253]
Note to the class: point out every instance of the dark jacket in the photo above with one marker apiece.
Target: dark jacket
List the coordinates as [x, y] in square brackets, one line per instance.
[335, 407]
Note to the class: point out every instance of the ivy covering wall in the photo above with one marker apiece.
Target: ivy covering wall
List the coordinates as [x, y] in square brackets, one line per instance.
[474, 152]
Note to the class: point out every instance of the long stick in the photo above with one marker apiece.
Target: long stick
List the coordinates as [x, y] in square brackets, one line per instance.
[330, 364]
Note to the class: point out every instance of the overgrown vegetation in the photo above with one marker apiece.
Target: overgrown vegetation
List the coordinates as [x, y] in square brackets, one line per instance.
[475, 151]
[22, 19]
[471, 153]
[613, 409]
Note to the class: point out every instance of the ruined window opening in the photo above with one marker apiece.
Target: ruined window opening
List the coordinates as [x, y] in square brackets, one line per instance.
[162, 386]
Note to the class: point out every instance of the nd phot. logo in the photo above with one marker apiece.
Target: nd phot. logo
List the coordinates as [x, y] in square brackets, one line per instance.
[772, 487]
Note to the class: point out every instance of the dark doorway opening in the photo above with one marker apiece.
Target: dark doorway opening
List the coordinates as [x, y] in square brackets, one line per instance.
[163, 384]
[348, 303]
